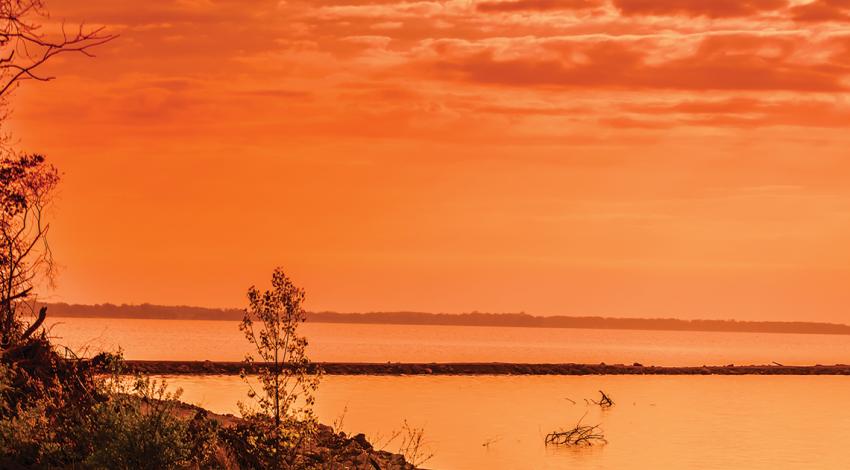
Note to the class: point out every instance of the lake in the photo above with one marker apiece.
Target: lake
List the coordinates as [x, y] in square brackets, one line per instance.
[692, 422]
[222, 341]
[489, 422]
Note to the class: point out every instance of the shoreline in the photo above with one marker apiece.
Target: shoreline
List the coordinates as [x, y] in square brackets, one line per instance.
[469, 319]
[493, 368]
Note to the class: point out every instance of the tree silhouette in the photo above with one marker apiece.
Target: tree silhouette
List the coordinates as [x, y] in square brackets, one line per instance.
[287, 383]
[27, 184]
[25, 47]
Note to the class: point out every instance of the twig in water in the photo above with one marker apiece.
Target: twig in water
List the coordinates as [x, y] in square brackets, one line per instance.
[605, 401]
[580, 435]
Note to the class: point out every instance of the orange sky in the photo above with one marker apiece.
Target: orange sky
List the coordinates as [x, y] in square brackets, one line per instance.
[679, 158]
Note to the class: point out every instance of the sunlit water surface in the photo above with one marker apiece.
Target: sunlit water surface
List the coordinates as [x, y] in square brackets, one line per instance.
[485, 422]
[222, 341]
[658, 422]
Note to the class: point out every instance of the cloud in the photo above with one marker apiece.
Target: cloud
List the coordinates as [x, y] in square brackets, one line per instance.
[727, 62]
[742, 112]
[523, 64]
[537, 5]
[707, 8]
[394, 10]
[388, 25]
[822, 11]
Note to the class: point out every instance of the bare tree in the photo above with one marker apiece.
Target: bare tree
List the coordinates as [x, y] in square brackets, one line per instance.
[25, 46]
[27, 184]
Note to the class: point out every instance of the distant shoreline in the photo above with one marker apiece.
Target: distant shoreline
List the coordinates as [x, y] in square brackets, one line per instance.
[521, 320]
[399, 369]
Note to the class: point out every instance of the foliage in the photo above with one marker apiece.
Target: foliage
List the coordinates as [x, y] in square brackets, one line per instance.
[141, 430]
[34, 429]
[45, 402]
[284, 420]
[27, 184]
[26, 435]
[128, 423]
[257, 442]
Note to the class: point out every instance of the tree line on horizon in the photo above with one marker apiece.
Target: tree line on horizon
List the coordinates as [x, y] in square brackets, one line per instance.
[162, 312]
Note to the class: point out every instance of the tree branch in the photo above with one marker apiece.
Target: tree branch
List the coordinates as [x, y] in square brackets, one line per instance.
[42, 315]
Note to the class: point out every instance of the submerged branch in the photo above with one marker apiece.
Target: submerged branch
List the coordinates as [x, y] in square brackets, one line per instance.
[580, 435]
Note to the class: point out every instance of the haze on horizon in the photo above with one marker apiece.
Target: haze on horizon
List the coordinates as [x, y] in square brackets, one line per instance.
[592, 157]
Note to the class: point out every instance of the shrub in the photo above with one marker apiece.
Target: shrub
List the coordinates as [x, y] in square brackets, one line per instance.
[143, 430]
[104, 421]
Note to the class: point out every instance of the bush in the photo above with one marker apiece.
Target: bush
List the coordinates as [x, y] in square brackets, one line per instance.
[142, 430]
[257, 442]
[110, 422]
[27, 439]
[35, 429]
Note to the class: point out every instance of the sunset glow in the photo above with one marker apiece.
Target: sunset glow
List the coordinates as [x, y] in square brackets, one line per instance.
[631, 158]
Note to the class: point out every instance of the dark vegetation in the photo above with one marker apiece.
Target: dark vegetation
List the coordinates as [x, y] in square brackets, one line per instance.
[465, 319]
[280, 423]
[60, 412]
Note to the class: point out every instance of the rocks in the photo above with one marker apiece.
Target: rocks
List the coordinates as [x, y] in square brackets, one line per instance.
[361, 439]
[396, 368]
[340, 452]
[330, 450]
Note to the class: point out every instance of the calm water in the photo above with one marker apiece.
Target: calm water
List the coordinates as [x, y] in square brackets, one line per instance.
[694, 422]
[221, 340]
[689, 422]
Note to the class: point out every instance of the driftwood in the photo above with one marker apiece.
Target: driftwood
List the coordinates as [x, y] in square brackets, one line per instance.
[580, 435]
[605, 401]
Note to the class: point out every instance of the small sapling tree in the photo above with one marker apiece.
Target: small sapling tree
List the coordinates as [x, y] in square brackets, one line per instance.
[282, 415]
